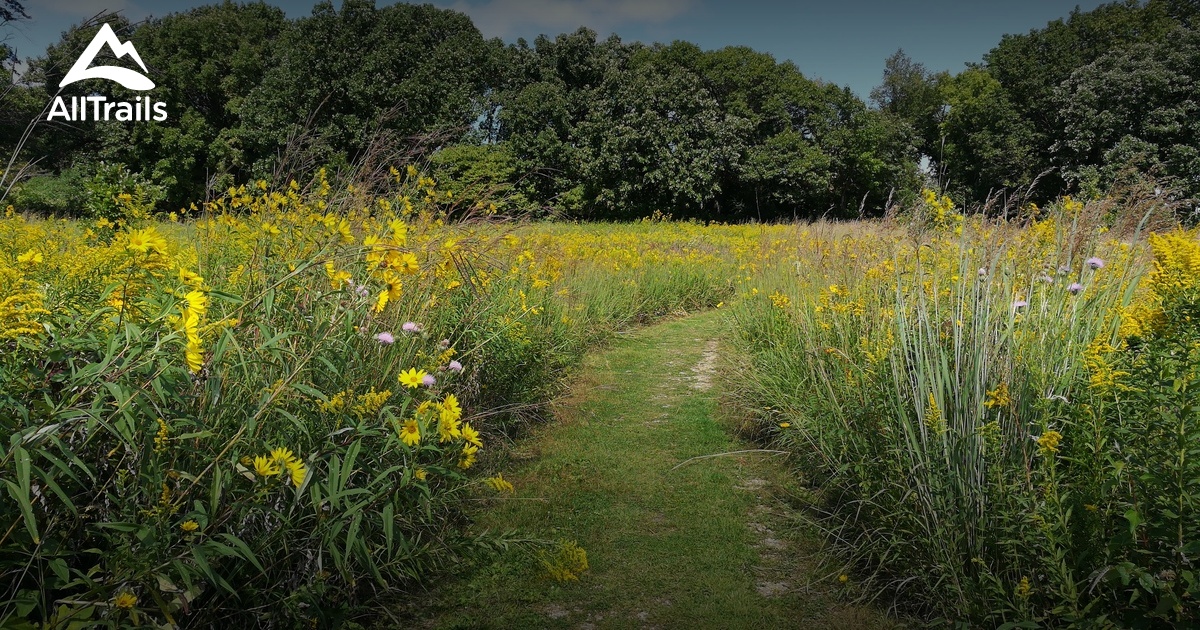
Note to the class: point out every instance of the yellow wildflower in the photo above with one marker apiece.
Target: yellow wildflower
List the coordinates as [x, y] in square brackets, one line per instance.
[470, 435]
[125, 600]
[933, 415]
[499, 484]
[160, 438]
[31, 257]
[566, 563]
[448, 430]
[408, 264]
[410, 433]
[189, 527]
[371, 402]
[296, 472]
[998, 397]
[337, 278]
[412, 378]
[1048, 442]
[467, 459]
[336, 403]
[450, 411]
[266, 466]
[146, 241]
[282, 455]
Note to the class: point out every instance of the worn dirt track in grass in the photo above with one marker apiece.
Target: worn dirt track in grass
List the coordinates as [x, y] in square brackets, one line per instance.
[710, 544]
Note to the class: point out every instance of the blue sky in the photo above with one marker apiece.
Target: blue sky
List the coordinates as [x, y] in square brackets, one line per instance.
[843, 42]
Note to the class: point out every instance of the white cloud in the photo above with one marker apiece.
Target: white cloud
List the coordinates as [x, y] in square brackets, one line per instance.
[527, 18]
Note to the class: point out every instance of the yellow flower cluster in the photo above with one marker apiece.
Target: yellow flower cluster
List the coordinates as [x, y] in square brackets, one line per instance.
[1048, 442]
[566, 563]
[1175, 272]
[192, 309]
[370, 403]
[499, 484]
[278, 460]
[941, 211]
[998, 397]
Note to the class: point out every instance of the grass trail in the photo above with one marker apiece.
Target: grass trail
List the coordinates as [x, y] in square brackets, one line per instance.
[706, 545]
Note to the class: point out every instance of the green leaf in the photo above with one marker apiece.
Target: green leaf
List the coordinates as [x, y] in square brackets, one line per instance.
[1134, 519]
[20, 491]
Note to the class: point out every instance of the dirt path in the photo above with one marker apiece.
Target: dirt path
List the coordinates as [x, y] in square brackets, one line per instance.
[711, 543]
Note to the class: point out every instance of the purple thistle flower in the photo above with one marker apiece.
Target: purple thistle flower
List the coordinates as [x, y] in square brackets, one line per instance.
[1075, 288]
[1020, 304]
[443, 344]
[428, 380]
[362, 290]
[982, 272]
[1094, 262]
[455, 366]
[385, 337]
[410, 327]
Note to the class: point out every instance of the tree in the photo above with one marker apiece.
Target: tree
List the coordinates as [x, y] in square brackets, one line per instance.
[1030, 67]
[656, 139]
[910, 93]
[988, 144]
[11, 10]
[1135, 109]
[342, 76]
[553, 85]
[204, 62]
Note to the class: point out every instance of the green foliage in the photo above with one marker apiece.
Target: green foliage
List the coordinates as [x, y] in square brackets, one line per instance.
[50, 195]
[727, 134]
[910, 93]
[206, 61]
[987, 144]
[112, 192]
[345, 76]
[655, 139]
[482, 178]
[1134, 110]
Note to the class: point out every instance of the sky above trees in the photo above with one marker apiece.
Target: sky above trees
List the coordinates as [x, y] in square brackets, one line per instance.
[841, 42]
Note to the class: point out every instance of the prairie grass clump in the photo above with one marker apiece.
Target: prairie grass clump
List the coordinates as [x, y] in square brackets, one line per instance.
[991, 440]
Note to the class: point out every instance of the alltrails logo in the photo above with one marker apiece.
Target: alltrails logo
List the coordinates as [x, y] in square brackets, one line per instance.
[101, 108]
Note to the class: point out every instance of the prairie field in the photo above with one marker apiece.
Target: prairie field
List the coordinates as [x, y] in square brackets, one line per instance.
[584, 316]
[287, 407]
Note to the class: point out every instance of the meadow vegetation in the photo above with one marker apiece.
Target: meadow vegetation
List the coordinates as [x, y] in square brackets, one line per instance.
[1000, 420]
[273, 409]
[270, 411]
[276, 406]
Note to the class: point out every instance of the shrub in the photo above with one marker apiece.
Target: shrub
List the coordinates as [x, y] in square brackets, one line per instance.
[50, 195]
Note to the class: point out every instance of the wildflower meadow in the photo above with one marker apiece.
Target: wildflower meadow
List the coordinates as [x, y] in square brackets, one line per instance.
[391, 315]
[275, 409]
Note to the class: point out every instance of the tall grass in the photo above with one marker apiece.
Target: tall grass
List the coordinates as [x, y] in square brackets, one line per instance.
[941, 384]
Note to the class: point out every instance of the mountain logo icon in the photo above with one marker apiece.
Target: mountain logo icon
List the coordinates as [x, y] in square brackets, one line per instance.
[126, 77]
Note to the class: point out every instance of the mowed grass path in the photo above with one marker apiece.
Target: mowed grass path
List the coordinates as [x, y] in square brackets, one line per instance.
[705, 545]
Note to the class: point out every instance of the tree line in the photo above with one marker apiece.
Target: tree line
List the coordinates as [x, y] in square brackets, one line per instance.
[605, 129]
